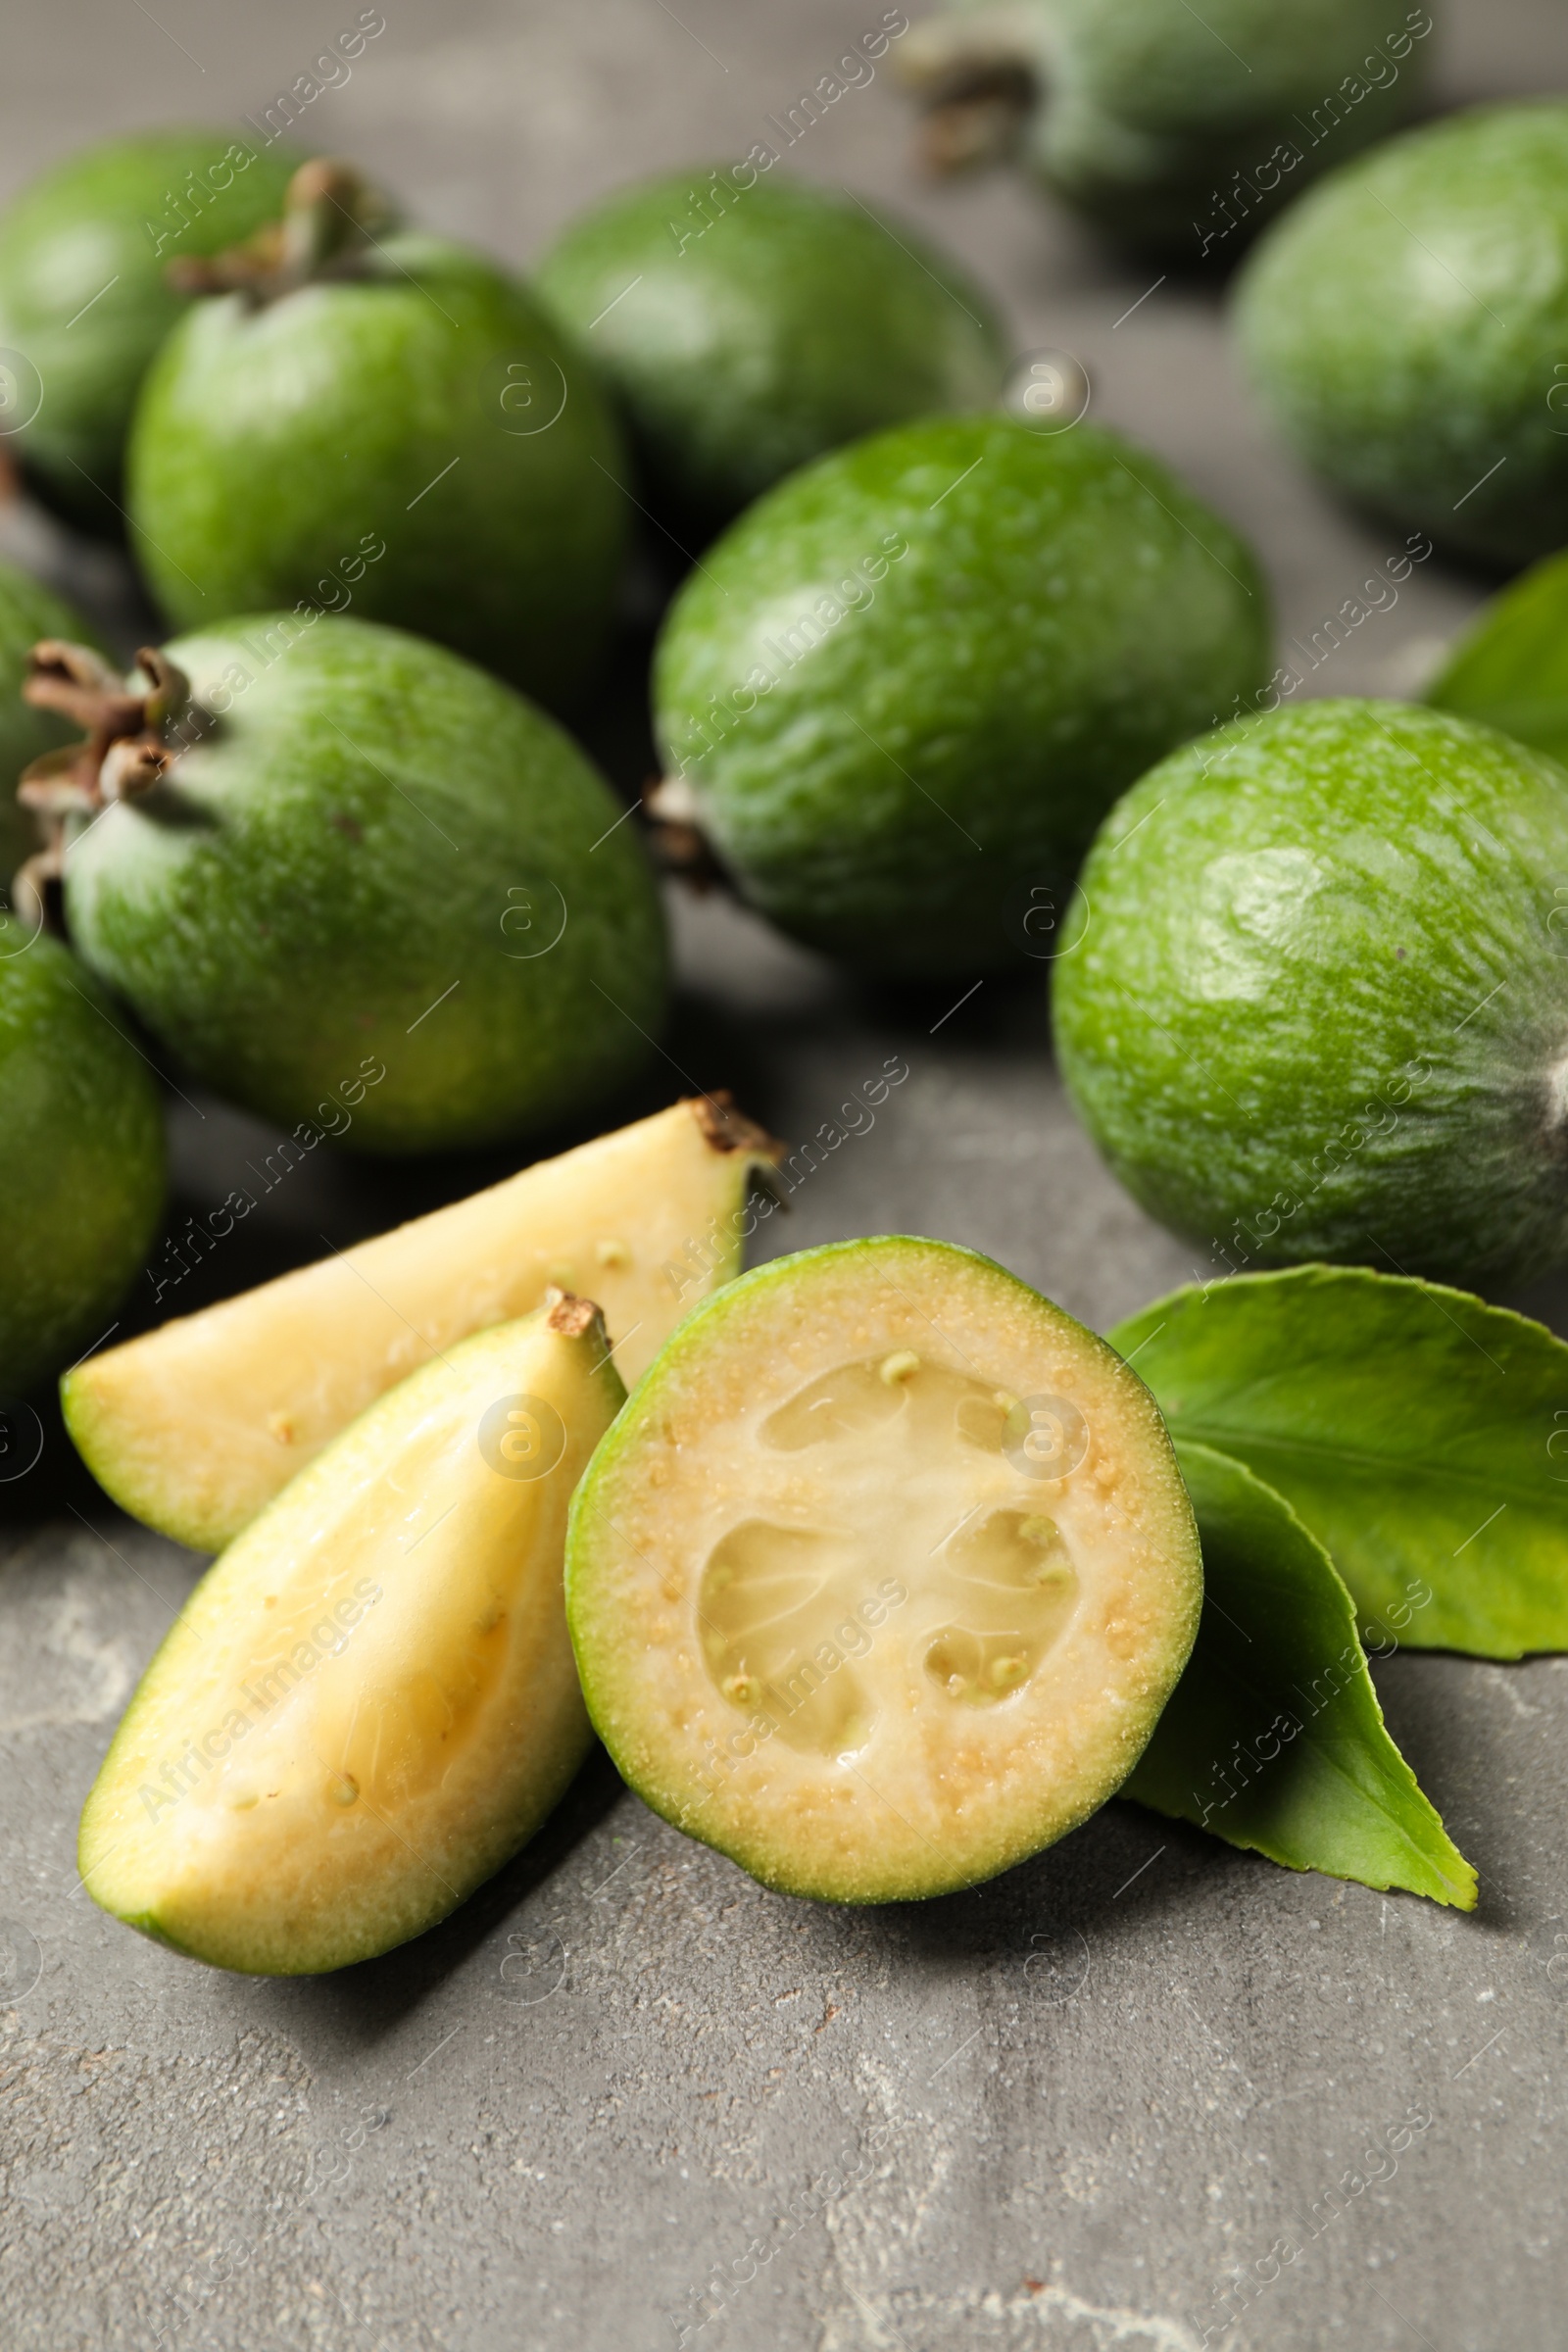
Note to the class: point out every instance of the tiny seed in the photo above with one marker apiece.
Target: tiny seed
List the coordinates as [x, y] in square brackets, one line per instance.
[1006, 1671]
[612, 1253]
[280, 1429]
[242, 1800]
[741, 1687]
[343, 1792]
[1042, 1532]
[898, 1366]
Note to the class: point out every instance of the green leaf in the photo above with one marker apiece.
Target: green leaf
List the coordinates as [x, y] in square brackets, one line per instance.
[1273, 1737]
[1421, 1435]
[1510, 669]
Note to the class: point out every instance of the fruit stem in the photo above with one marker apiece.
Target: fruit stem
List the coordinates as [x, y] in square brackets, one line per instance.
[123, 753]
[676, 838]
[329, 214]
[977, 77]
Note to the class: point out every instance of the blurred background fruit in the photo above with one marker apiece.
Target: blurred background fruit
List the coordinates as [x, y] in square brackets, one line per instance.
[27, 612]
[1166, 124]
[82, 1159]
[85, 297]
[1406, 327]
[748, 323]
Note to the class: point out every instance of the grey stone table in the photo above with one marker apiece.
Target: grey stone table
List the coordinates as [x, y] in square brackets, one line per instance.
[625, 2098]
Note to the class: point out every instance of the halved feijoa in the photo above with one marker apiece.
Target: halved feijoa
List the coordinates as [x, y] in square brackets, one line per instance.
[882, 1579]
[368, 1702]
[196, 1425]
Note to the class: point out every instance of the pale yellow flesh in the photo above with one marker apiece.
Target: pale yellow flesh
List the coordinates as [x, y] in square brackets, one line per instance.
[829, 1617]
[196, 1425]
[371, 1700]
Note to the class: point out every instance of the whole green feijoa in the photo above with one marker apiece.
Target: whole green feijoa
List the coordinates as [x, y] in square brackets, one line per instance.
[906, 686]
[1176, 126]
[358, 885]
[85, 296]
[1319, 1009]
[1405, 325]
[27, 612]
[749, 323]
[81, 1158]
[385, 421]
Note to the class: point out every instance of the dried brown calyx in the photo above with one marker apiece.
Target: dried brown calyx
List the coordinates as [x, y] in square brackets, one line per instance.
[328, 229]
[976, 77]
[676, 835]
[123, 752]
[730, 1130]
[571, 1316]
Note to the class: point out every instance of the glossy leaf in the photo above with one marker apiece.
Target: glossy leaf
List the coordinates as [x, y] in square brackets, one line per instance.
[1273, 1739]
[1510, 669]
[1421, 1435]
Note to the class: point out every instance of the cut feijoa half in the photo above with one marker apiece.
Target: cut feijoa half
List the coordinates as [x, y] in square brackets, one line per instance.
[368, 1702]
[882, 1579]
[194, 1427]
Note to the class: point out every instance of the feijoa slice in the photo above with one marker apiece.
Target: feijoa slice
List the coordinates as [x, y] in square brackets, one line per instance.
[368, 1702]
[881, 1580]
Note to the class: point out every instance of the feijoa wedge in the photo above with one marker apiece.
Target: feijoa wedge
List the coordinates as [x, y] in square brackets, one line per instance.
[882, 1579]
[368, 1702]
[196, 1425]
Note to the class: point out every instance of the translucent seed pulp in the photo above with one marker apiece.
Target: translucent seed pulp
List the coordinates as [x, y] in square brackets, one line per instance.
[810, 1624]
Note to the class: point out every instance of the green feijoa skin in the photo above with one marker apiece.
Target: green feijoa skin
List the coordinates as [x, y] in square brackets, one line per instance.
[360, 887]
[1405, 328]
[880, 1581]
[1421, 1435]
[748, 323]
[27, 612]
[1274, 1738]
[387, 423]
[86, 296]
[1318, 1008]
[906, 685]
[1510, 668]
[81, 1158]
[1177, 129]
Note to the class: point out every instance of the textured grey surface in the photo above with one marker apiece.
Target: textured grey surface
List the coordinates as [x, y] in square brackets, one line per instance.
[625, 2098]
